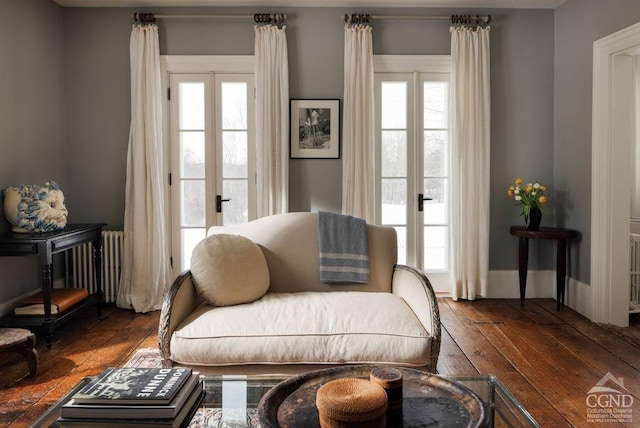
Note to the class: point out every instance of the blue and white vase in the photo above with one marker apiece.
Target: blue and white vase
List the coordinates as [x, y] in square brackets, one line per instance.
[35, 208]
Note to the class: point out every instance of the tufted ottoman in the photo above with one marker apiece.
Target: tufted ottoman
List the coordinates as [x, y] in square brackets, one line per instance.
[23, 342]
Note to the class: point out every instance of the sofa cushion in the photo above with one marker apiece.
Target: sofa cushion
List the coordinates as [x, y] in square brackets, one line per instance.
[304, 328]
[290, 245]
[229, 270]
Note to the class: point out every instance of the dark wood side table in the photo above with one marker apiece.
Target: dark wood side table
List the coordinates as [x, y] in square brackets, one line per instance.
[561, 236]
[45, 245]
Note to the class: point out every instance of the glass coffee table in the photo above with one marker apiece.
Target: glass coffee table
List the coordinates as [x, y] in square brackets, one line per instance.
[505, 410]
[232, 401]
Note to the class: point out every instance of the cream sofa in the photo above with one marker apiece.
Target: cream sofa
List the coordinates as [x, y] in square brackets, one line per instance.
[302, 324]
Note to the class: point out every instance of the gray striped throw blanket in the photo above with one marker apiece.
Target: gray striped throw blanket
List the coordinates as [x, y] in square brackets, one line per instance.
[344, 255]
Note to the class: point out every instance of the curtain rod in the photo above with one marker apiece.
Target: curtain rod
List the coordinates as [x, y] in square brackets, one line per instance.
[454, 19]
[262, 18]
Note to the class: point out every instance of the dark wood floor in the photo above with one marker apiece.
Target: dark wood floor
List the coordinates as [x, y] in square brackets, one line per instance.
[82, 347]
[548, 360]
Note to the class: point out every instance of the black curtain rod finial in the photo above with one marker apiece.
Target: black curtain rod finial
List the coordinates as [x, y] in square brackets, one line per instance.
[357, 18]
[144, 18]
[268, 18]
[471, 19]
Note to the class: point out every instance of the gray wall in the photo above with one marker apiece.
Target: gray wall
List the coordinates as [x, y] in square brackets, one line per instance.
[83, 54]
[522, 98]
[32, 147]
[579, 23]
[521, 128]
[97, 113]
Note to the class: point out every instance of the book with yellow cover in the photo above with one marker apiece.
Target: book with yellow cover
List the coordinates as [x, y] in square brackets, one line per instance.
[61, 300]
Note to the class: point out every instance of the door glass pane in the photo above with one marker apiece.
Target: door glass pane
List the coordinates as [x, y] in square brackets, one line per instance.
[435, 247]
[435, 153]
[190, 238]
[394, 105]
[435, 211]
[402, 244]
[234, 154]
[394, 201]
[193, 203]
[212, 153]
[235, 211]
[192, 154]
[234, 105]
[435, 105]
[191, 105]
[394, 153]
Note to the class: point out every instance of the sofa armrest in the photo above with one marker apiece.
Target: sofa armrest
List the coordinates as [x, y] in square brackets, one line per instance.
[179, 302]
[416, 290]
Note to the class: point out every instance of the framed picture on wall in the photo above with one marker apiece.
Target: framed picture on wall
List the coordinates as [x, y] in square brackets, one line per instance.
[315, 129]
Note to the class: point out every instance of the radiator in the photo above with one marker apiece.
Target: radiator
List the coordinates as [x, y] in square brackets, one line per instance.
[634, 265]
[81, 266]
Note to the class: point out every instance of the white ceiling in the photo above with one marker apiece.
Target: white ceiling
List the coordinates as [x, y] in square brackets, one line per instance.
[510, 4]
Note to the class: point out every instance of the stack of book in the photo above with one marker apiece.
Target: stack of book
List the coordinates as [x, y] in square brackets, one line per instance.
[61, 300]
[135, 397]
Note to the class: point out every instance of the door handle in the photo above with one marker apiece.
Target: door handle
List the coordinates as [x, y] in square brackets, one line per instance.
[421, 199]
[219, 202]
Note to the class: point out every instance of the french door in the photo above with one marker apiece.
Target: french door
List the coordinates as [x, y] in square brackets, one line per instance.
[212, 142]
[412, 120]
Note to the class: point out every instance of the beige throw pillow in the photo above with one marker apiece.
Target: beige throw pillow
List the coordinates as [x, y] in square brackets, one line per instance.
[229, 270]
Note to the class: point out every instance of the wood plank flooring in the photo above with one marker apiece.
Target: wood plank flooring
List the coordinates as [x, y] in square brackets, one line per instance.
[549, 360]
[82, 347]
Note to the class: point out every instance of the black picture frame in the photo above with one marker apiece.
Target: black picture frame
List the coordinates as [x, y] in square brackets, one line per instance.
[314, 128]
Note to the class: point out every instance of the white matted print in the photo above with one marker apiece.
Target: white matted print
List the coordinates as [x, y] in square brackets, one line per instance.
[315, 129]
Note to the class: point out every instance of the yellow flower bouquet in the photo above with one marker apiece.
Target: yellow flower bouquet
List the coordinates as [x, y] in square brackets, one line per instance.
[531, 197]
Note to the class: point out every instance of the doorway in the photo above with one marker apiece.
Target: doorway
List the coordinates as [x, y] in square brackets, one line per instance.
[210, 146]
[614, 133]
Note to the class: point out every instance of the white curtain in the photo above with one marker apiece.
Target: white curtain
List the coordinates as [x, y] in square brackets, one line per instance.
[272, 119]
[358, 124]
[470, 149]
[146, 271]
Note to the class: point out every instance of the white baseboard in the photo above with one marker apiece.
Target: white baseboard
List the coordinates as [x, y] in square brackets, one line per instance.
[541, 284]
[577, 296]
[505, 284]
[6, 308]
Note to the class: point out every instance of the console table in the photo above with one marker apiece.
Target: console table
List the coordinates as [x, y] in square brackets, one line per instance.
[558, 234]
[45, 245]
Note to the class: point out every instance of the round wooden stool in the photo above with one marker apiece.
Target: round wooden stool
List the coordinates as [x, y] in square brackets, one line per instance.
[23, 342]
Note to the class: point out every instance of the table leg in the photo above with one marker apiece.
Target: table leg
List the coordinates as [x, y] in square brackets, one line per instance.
[27, 349]
[97, 265]
[46, 266]
[523, 261]
[561, 271]
[47, 283]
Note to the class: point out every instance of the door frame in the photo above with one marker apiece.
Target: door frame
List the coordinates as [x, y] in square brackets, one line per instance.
[190, 64]
[610, 187]
[405, 64]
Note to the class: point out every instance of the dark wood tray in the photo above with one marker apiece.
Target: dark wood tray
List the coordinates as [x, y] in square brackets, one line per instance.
[428, 400]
